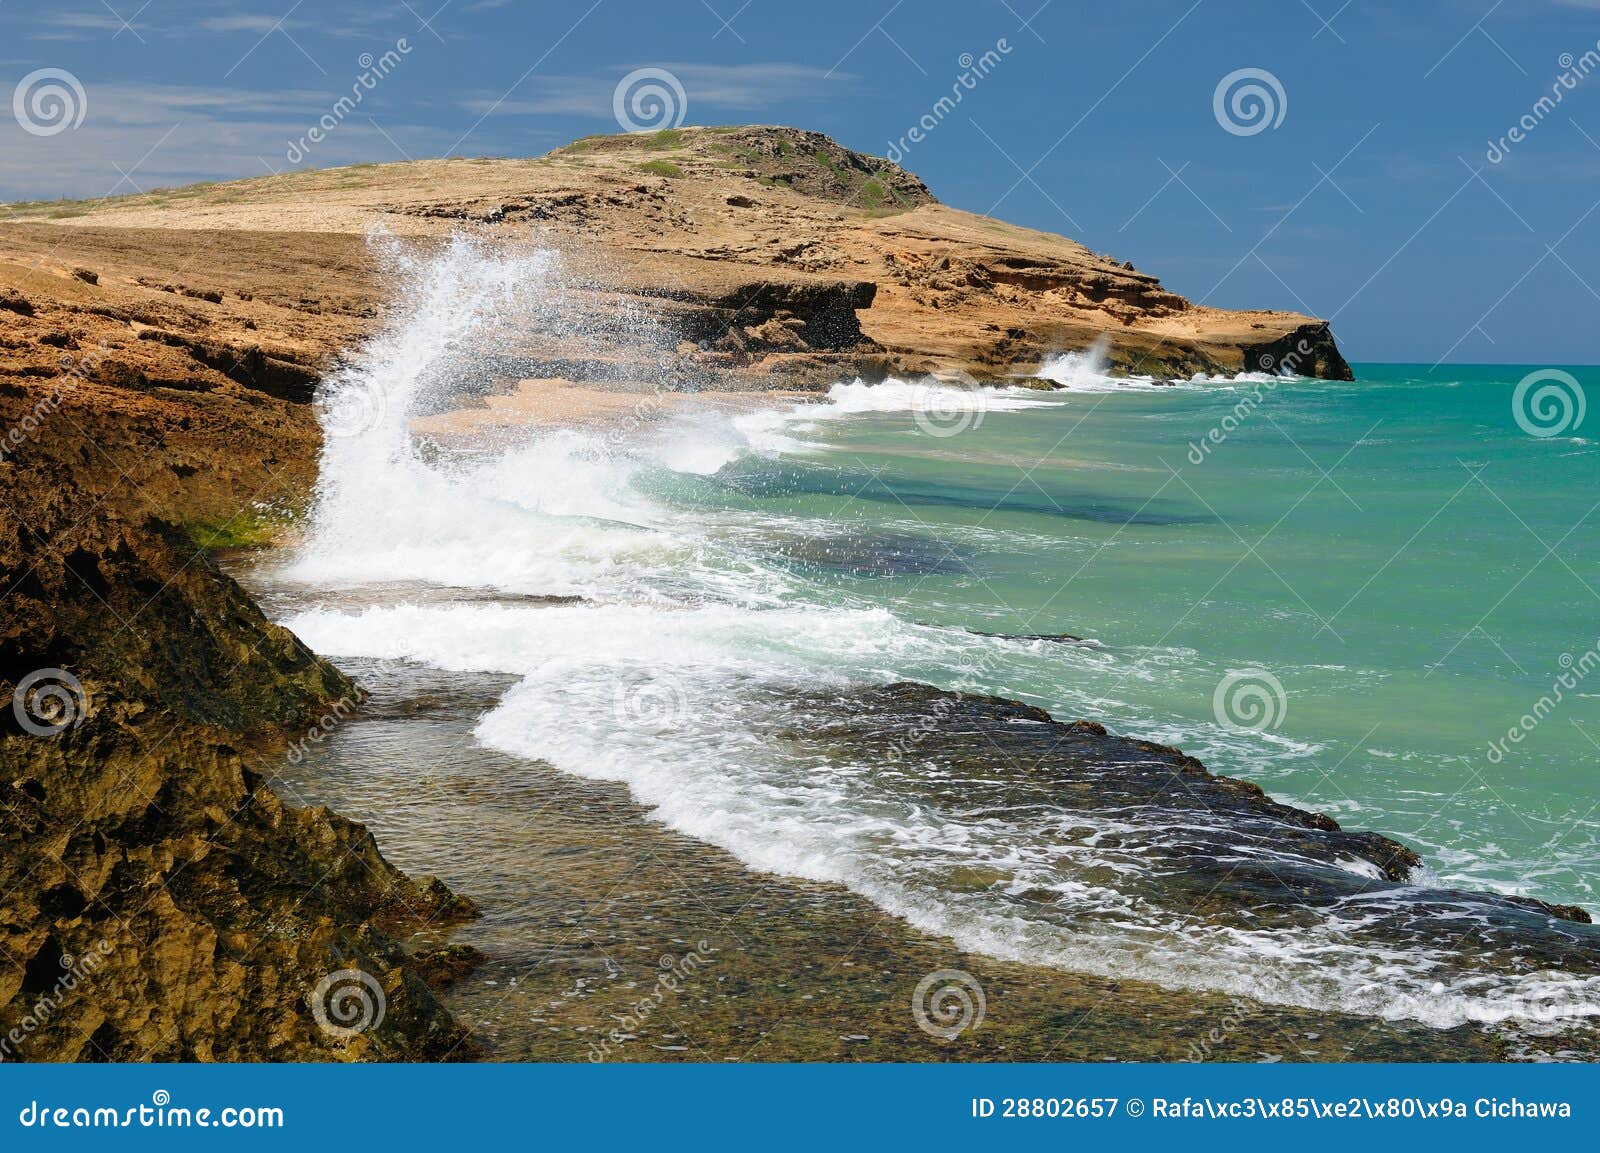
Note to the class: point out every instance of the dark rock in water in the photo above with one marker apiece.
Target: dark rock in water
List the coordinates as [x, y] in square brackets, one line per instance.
[553, 600]
[1175, 840]
[1307, 351]
[1055, 638]
[1128, 773]
[443, 967]
[1561, 912]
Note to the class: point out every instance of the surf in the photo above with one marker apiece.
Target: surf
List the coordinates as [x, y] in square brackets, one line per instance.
[710, 623]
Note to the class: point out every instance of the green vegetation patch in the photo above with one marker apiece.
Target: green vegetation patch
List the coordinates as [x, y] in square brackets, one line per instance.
[663, 168]
[257, 527]
[838, 173]
[53, 209]
[881, 198]
[666, 138]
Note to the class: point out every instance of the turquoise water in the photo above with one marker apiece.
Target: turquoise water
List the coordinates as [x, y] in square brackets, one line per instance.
[1413, 568]
[1345, 594]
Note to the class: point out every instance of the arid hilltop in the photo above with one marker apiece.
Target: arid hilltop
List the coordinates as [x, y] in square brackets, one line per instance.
[770, 250]
[159, 354]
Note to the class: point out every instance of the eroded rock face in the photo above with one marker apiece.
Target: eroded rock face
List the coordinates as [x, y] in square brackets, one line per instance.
[160, 902]
[165, 905]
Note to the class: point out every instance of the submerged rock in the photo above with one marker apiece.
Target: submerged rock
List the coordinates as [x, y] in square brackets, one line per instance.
[1165, 842]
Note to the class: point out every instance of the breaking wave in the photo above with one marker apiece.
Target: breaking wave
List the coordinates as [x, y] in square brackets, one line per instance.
[695, 651]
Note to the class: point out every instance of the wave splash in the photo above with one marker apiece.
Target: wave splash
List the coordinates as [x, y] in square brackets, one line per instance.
[679, 673]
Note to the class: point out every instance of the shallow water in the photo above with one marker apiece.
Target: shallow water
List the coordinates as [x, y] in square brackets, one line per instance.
[587, 903]
[1345, 598]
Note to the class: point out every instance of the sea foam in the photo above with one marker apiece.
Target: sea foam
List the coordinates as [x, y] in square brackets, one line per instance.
[675, 677]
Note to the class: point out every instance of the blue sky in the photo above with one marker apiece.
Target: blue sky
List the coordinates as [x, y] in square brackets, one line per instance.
[1369, 197]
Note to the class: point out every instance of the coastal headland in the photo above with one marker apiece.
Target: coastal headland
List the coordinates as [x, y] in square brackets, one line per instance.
[160, 364]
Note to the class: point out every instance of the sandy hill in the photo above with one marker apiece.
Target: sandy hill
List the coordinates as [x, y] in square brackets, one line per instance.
[771, 252]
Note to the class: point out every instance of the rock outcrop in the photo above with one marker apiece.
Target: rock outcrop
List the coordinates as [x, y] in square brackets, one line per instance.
[158, 901]
[775, 252]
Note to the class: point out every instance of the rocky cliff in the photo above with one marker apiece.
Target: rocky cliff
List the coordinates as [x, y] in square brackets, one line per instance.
[158, 900]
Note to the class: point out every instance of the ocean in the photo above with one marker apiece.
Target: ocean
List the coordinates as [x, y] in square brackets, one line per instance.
[1376, 600]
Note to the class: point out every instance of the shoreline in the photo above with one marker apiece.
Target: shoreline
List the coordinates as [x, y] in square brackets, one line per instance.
[586, 897]
[551, 403]
[546, 397]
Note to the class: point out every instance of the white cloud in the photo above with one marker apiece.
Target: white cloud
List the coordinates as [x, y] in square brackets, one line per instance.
[166, 135]
[736, 87]
[244, 22]
[78, 26]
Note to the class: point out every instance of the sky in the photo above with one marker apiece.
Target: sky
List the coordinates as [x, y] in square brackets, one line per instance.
[1367, 172]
